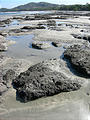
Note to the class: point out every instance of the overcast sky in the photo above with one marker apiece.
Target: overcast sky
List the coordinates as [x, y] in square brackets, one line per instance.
[14, 3]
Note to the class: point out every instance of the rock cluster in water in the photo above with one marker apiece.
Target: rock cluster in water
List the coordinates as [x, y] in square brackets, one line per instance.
[40, 45]
[41, 80]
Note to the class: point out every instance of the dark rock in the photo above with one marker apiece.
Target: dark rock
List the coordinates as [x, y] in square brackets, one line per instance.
[56, 44]
[18, 18]
[3, 43]
[63, 17]
[40, 24]
[79, 57]
[28, 27]
[82, 36]
[3, 34]
[18, 30]
[55, 28]
[6, 80]
[88, 94]
[60, 17]
[40, 27]
[65, 46]
[41, 81]
[60, 24]
[42, 17]
[33, 27]
[3, 87]
[51, 23]
[38, 17]
[30, 18]
[2, 25]
[40, 45]
[84, 31]
[7, 21]
[3, 47]
[8, 77]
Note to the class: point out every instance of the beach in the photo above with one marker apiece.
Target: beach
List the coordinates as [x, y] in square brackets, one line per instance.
[30, 38]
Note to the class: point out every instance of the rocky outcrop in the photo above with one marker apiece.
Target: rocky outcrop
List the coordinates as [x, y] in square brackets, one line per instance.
[42, 17]
[56, 44]
[18, 30]
[44, 79]
[3, 44]
[79, 57]
[8, 77]
[3, 34]
[18, 18]
[7, 21]
[82, 36]
[3, 47]
[37, 17]
[3, 87]
[33, 27]
[55, 28]
[5, 80]
[51, 23]
[40, 45]
[29, 18]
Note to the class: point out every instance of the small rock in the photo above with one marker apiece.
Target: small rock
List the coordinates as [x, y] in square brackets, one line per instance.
[3, 47]
[40, 45]
[56, 44]
[3, 34]
[88, 94]
[51, 23]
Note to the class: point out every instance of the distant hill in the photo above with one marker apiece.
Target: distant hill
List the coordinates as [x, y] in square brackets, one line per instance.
[37, 6]
[47, 6]
[33, 6]
[3, 9]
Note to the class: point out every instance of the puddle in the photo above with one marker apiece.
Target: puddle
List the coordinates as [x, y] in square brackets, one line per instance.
[60, 22]
[14, 23]
[23, 49]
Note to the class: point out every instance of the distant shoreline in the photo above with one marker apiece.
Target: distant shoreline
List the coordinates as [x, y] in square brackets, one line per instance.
[44, 6]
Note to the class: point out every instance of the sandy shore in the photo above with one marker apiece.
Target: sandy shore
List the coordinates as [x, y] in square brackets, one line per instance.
[20, 56]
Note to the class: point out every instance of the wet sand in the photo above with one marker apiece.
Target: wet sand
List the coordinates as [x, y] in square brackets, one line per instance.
[64, 106]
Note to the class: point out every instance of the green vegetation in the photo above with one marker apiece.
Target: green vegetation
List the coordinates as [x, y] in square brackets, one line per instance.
[48, 6]
[75, 7]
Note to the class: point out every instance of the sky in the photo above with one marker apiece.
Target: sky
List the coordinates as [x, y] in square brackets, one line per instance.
[14, 3]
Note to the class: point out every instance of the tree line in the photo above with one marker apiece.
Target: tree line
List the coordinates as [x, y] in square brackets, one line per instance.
[76, 7]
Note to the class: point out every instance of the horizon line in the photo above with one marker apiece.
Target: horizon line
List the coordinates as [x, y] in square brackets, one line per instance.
[42, 2]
